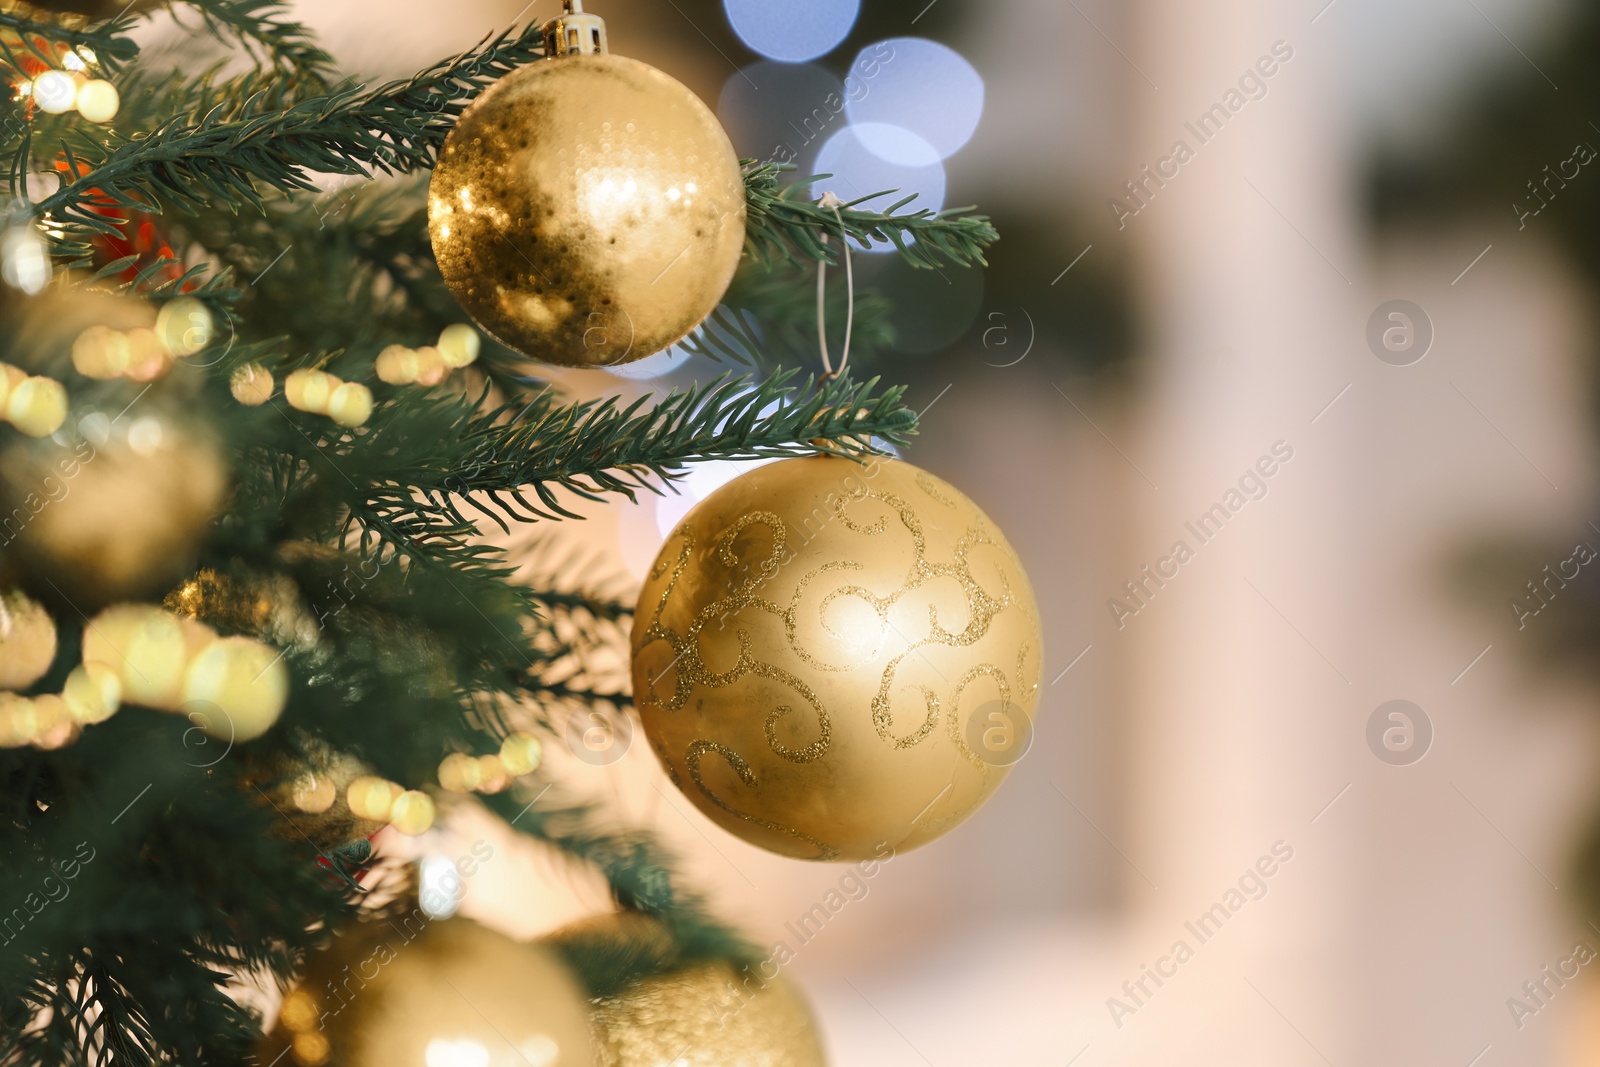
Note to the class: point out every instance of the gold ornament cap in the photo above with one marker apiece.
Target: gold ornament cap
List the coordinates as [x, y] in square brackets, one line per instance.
[575, 32]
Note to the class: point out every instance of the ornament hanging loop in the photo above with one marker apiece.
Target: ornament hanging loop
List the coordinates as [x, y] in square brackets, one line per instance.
[575, 32]
[833, 203]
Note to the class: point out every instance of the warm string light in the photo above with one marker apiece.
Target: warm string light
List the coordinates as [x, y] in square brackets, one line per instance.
[233, 688]
[71, 88]
[458, 347]
[56, 92]
[347, 403]
[24, 260]
[92, 692]
[350, 403]
[183, 327]
[520, 754]
[412, 811]
[34, 404]
[252, 385]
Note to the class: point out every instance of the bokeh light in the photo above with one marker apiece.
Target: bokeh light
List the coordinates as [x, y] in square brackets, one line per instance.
[702, 480]
[858, 171]
[652, 366]
[926, 88]
[638, 537]
[792, 33]
[896, 144]
[441, 889]
[781, 111]
[55, 92]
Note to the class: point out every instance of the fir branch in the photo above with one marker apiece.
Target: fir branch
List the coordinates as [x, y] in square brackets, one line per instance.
[230, 159]
[498, 458]
[781, 225]
[769, 316]
[110, 48]
[288, 48]
[637, 870]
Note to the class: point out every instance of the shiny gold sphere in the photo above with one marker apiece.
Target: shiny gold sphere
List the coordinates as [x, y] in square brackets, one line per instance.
[834, 659]
[708, 1015]
[118, 518]
[587, 210]
[421, 992]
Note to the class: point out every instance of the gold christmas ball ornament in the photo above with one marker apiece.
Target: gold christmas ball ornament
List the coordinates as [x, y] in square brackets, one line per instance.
[27, 641]
[421, 992]
[708, 1015]
[833, 658]
[587, 210]
[118, 511]
[270, 607]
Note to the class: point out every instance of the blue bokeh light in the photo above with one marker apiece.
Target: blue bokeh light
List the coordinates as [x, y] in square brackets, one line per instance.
[781, 111]
[859, 171]
[792, 32]
[923, 86]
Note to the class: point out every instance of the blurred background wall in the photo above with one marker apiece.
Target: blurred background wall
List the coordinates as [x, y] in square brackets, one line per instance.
[1154, 325]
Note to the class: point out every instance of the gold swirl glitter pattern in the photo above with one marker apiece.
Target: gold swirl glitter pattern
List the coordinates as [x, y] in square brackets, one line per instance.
[834, 594]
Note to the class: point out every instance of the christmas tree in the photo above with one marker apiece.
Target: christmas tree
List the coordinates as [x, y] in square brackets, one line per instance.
[257, 472]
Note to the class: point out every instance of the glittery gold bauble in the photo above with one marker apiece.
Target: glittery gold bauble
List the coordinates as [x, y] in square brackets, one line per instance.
[587, 210]
[708, 1015]
[832, 659]
[27, 641]
[421, 992]
[117, 512]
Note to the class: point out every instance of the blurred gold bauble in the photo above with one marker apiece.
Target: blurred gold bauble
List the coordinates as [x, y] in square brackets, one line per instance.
[587, 210]
[420, 992]
[118, 512]
[27, 641]
[308, 791]
[708, 1015]
[832, 659]
[270, 607]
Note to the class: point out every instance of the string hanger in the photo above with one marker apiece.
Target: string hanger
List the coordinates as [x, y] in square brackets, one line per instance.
[833, 203]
